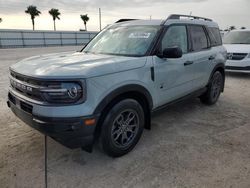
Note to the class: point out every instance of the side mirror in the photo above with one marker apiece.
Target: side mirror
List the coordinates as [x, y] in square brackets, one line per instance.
[173, 53]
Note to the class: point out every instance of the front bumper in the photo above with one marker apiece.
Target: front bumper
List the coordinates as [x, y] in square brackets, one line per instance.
[70, 132]
[238, 66]
[238, 69]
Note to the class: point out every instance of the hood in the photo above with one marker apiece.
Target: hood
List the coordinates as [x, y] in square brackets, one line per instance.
[237, 48]
[75, 65]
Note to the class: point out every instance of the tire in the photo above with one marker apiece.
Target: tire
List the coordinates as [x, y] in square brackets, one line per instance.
[215, 88]
[122, 128]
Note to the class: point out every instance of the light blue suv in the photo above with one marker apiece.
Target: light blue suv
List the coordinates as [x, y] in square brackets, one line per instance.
[109, 89]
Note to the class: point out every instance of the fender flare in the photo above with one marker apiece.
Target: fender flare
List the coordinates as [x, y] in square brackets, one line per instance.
[218, 66]
[122, 90]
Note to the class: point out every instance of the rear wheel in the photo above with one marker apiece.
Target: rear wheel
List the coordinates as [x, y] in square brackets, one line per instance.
[122, 128]
[214, 89]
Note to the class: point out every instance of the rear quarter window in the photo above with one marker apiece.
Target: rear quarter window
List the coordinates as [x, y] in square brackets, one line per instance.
[215, 36]
[198, 38]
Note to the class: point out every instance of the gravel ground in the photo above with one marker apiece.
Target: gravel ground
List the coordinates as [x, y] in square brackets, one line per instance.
[190, 145]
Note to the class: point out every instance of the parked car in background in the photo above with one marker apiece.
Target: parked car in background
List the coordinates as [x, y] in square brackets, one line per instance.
[237, 43]
[108, 90]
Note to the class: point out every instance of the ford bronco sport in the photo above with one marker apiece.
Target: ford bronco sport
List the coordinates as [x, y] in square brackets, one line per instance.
[107, 91]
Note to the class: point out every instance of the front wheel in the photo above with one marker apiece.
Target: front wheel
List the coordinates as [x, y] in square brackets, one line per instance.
[214, 89]
[122, 128]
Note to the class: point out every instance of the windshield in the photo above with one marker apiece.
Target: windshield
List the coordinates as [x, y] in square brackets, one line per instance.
[127, 41]
[237, 37]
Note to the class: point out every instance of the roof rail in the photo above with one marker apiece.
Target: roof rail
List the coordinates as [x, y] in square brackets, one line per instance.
[125, 20]
[179, 16]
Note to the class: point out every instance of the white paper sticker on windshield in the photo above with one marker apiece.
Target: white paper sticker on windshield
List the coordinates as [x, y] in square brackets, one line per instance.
[139, 35]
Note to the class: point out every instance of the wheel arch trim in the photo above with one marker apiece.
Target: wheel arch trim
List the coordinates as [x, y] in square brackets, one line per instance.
[218, 66]
[121, 90]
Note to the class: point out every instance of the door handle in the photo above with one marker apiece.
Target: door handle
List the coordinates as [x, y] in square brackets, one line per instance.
[211, 58]
[188, 63]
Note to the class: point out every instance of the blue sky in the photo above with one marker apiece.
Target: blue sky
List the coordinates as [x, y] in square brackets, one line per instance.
[225, 12]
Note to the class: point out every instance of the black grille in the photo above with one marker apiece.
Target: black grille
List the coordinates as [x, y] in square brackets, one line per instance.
[26, 79]
[26, 86]
[12, 98]
[236, 56]
[26, 107]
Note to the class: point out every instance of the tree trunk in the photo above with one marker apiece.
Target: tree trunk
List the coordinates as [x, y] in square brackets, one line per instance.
[85, 26]
[33, 24]
[54, 25]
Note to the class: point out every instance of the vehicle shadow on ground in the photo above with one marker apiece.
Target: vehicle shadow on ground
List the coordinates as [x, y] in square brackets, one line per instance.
[185, 105]
[175, 110]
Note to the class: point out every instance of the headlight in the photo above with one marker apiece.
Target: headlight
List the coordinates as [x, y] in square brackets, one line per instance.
[64, 92]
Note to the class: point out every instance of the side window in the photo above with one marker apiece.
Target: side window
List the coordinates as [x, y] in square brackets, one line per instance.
[175, 36]
[198, 38]
[214, 35]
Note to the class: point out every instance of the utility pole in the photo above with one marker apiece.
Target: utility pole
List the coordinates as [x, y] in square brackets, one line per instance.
[150, 17]
[100, 18]
[45, 162]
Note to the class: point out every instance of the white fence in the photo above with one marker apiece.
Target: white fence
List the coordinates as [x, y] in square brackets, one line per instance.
[10, 38]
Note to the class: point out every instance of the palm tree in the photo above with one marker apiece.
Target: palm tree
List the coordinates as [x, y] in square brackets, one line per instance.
[55, 14]
[32, 10]
[85, 19]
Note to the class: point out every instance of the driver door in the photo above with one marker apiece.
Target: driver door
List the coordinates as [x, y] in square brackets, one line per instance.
[174, 77]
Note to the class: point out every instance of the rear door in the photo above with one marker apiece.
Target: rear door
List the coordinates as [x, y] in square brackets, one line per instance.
[202, 55]
[218, 50]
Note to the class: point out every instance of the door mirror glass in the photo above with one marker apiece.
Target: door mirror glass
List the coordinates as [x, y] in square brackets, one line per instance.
[174, 52]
